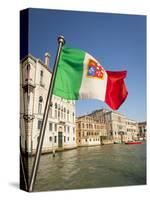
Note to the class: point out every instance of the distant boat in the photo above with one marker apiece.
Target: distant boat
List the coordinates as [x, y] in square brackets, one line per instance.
[117, 142]
[133, 142]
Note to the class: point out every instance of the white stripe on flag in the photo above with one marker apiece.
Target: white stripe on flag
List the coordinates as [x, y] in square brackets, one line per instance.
[92, 88]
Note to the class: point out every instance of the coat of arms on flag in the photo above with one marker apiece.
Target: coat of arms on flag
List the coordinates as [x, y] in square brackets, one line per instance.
[95, 70]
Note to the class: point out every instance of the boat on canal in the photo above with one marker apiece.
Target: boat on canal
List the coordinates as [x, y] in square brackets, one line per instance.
[133, 142]
[117, 142]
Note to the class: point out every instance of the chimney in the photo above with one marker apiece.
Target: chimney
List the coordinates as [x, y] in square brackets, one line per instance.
[47, 58]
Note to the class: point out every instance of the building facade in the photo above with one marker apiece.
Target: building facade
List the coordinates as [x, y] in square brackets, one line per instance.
[60, 132]
[118, 127]
[132, 129]
[89, 132]
[142, 127]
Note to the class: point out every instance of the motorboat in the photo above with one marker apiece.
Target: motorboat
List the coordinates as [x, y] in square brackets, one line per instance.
[133, 142]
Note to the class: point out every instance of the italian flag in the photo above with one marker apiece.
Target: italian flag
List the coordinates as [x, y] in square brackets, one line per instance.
[81, 76]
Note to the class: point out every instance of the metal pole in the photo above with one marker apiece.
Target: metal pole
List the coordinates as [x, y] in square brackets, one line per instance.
[22, 165]
[61, 42]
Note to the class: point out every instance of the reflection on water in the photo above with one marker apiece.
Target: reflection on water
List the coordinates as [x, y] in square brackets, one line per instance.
[89, 167]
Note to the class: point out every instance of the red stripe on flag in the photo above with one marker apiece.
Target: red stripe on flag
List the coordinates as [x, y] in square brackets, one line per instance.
[116, 91]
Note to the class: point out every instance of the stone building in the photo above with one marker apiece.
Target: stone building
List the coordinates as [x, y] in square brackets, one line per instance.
[132, 129]
[60, 133]
[89, 132]
[118, 126]
[142, 129]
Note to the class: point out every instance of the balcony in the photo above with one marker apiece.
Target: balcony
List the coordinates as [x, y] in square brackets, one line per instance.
[61, 122]
[28, 85]
[28, 117]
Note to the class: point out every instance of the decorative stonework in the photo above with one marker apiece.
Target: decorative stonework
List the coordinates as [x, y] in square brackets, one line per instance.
[28, 87]
[31, 118]
[28, 117]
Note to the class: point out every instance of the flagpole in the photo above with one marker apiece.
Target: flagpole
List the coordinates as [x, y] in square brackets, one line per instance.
[61, 42]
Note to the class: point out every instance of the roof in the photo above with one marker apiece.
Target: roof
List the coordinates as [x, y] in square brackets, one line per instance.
[35, 60]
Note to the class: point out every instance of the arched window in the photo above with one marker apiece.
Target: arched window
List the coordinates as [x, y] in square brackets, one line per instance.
[67, 115]
[28, 99]
[50, 110]
[61, 112]
[40, 105]
[79, 125]
[64, 113]
[56, 110]
[58, 113]
[28, 69]
[41, 78]
[73, 117]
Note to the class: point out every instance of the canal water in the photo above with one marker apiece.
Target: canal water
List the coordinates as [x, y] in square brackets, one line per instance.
[93, 167]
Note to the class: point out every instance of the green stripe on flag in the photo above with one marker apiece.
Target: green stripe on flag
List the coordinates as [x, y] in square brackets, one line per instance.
[69, 73]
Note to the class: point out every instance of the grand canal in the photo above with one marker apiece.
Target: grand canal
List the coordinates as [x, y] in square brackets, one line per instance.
[92, 167]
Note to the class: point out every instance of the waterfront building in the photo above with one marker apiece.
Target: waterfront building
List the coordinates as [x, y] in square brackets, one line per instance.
[142, 129]
[60, 134]
[118, 126]
[89, 132]
[132, 129]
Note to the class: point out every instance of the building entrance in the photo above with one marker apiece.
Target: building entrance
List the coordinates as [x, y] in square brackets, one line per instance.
[60, 139]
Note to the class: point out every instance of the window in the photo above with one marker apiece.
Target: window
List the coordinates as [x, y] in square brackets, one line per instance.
[73, 138]
[58, 114]
[41, 78]
[50, 126]
[64, 138]
[64, 113]
[39, 124]
[50, 138]
[40, 105]
[68, 138]
[64, 128]
[55, 105]
[55, 127]
[67, 115]
[73, 130]
[56, 110]
[73, 117]
[68, 129]
[50, 112]
[28, 99]
[28, 69]
[55, 139]
[79, 125]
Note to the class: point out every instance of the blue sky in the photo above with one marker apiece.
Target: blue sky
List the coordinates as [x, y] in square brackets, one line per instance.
[117, 41]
